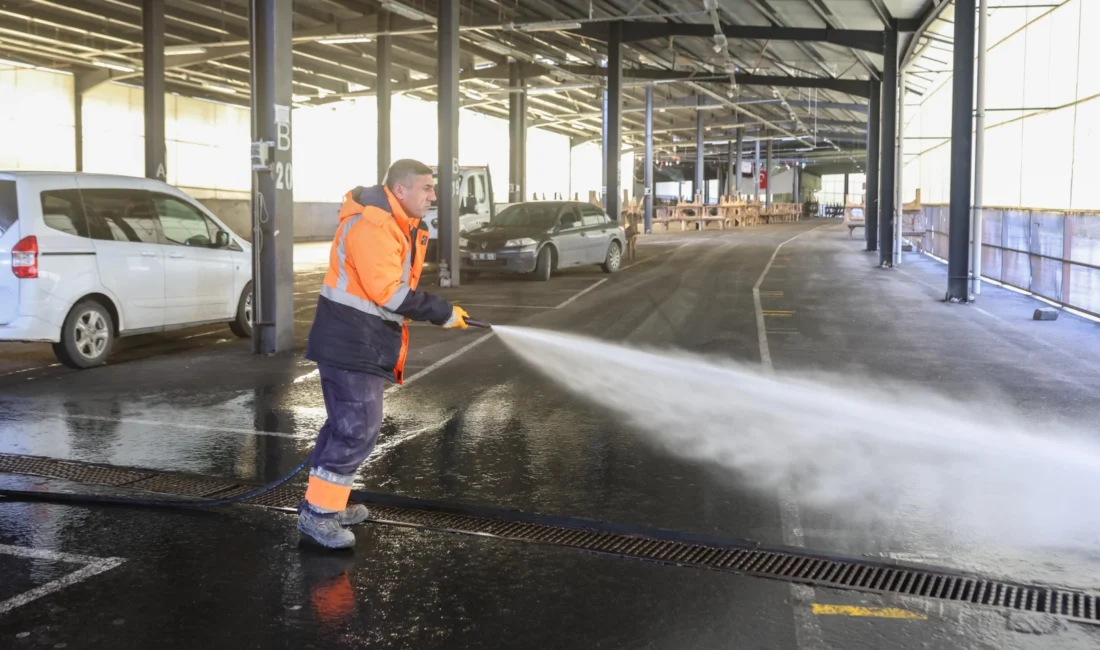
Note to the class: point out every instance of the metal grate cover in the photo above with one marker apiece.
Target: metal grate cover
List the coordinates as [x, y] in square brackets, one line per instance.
[70, 471]
[668, 547]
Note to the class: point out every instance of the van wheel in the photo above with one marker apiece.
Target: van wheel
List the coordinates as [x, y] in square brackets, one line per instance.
[242, 324]
[86, 336]
[543, 264]
[614, 258]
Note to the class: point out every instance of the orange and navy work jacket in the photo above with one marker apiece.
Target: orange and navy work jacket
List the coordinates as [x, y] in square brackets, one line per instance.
[370, 288]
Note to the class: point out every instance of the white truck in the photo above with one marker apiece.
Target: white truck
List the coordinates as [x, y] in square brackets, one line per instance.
[476, 206]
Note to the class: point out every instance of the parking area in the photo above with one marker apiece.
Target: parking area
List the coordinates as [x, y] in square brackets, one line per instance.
[477, 426]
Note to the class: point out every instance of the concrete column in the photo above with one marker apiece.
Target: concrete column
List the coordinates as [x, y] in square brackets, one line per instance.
[271, 25]
[613, 111]
[449, 178]
[517, 136]
[382, 81]
[962, 122]
[700, 188]
[649, 191]
[846, 190]
[870, 197]
[888, 143]
[152, 54]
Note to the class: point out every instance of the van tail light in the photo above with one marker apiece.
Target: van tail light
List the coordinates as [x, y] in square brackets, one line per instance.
[24, 258]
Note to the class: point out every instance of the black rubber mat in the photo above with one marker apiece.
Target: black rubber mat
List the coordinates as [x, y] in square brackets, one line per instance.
[669, 547]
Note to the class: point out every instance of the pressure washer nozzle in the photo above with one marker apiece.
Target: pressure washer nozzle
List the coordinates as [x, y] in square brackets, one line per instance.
[479, 323]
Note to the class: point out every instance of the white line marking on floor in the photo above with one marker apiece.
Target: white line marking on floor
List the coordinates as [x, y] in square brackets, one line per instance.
[442, 362]
[181, 425]
[195, 336]
[93, 566]
[19, 372]
[807, 631]
[464, 305]
[579, 295]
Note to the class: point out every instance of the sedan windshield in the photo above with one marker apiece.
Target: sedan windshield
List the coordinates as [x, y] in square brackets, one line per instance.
[534, 215]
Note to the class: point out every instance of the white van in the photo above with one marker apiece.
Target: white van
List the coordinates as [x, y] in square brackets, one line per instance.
[86, 258]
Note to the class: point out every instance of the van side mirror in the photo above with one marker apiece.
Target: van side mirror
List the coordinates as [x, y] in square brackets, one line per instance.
[221, 240]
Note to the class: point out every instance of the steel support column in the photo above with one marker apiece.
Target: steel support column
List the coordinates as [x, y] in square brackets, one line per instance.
[614, 112]
[979, 164]
[739, 161]
[756, 175]
[78, 125]
[845, 189]
[649, 191]
[270, 25]
[870, 195]
[729, 169]
[888, 142]
[962, 96]
[152, 53]
[767, 176]
[700, 175]
[517, 136]
[449, 178]
[383, 78]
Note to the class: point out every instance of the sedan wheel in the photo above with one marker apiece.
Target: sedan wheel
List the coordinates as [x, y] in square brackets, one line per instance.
[614, 258]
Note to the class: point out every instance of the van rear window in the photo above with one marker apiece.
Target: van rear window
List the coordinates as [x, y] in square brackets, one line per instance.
[9, 206]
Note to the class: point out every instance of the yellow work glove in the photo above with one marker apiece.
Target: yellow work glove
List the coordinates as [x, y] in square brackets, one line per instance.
[457, 319]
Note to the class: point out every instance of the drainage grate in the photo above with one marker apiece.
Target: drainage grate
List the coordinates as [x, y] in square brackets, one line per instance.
[70, 471]
[188, 486]
[667, 547]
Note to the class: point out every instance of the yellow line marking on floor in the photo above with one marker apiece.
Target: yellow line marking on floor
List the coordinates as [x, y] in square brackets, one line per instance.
[778, 312]
[771, 293]
[871, 612]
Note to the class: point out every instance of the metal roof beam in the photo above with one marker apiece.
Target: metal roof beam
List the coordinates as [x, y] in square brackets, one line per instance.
[870, 41]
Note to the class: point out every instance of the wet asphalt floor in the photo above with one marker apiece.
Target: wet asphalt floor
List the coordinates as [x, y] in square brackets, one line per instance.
[483, 429]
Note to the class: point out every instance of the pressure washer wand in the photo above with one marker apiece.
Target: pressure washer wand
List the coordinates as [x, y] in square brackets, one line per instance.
[479, 323]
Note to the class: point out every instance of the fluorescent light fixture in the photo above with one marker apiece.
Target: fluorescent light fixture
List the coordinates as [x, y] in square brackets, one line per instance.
[220, 89]
[549, 26]
[300, 98]
[355, 88]
[417, 76]
[487, 64]
[16, 64]
[407, 11]
[113, 66]
[177, 50]
[342, 40]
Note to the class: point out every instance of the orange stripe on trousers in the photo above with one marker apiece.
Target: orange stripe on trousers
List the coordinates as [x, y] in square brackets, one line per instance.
[327, 496]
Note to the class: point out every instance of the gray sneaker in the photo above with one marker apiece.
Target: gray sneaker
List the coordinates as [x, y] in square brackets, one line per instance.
[354, 514]
[325, 531]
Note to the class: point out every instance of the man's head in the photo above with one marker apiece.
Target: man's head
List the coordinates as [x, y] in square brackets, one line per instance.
[411, 182]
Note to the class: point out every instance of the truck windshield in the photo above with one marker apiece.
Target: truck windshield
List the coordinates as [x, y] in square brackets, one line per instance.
[9, 207]
[535, 215]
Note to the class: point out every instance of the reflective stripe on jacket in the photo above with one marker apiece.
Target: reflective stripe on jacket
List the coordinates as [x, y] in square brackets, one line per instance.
[370, 288]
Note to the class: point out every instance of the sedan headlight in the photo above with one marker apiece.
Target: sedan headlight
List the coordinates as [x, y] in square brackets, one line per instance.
[514, 243]
[463, 242]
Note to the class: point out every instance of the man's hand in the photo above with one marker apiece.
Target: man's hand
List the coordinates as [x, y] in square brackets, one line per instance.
[457, 319]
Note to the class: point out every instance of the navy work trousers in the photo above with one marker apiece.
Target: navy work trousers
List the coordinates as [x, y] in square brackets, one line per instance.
[353, 401]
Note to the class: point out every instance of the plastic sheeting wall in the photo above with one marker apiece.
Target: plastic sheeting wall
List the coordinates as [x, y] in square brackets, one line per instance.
[208, 142]
[1055, 255]
[1043, 113]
